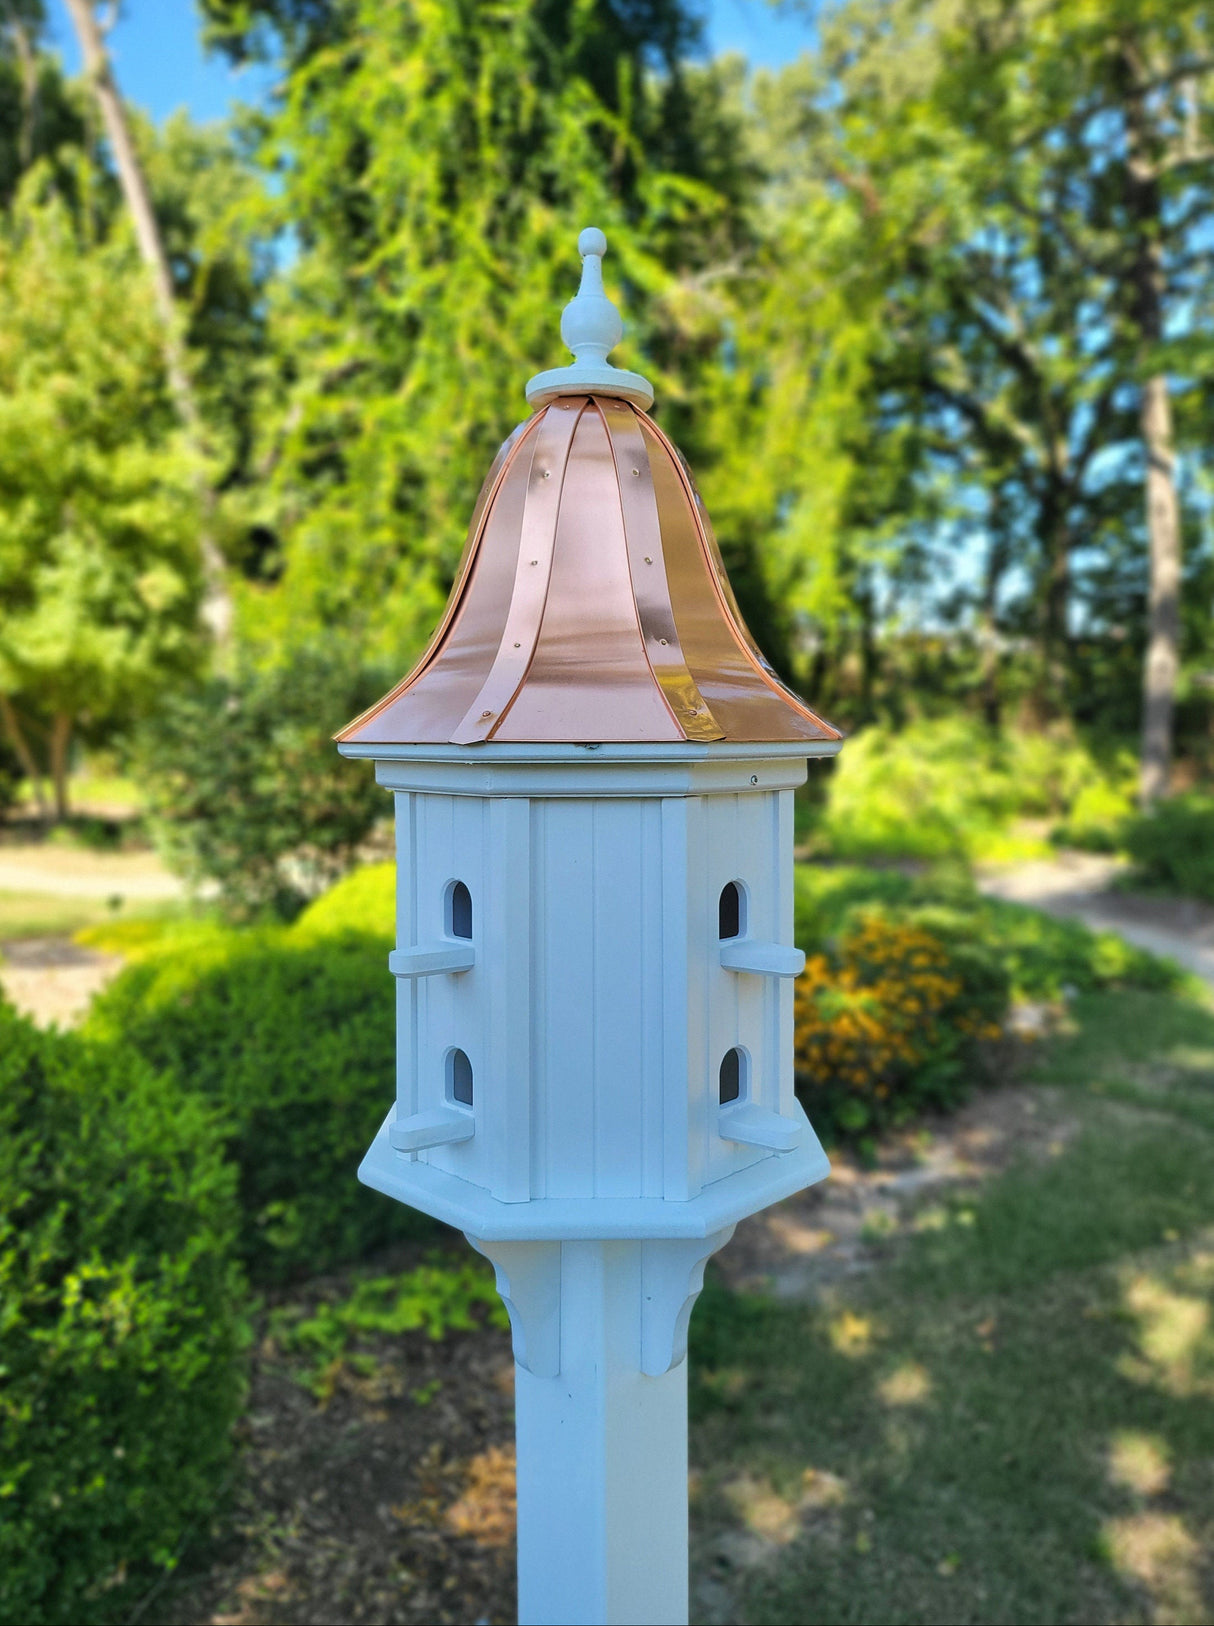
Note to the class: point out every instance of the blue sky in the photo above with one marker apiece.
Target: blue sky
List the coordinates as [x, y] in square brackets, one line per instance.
[160, 65]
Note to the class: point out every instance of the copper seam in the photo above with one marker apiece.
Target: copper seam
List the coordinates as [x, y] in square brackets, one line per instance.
[532, 574]
[492, 484]
[647, 568]
[743, 643]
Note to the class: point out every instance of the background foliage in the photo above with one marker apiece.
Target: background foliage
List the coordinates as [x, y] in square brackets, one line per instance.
[906, 301]
[121, 1323]
[291, 1040]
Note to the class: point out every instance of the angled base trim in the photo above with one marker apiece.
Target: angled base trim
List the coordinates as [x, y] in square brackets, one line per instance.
[472, 1209]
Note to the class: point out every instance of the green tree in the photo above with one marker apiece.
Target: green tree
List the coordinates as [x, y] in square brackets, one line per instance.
[99, 569]
[40, 113]
[434, 164]
[1040, 181]
[132, 179]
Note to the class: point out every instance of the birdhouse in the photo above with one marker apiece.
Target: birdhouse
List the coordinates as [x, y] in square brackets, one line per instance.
[593, 768]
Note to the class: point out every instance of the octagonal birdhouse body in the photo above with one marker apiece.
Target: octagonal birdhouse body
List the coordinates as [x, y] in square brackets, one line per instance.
[594, 969]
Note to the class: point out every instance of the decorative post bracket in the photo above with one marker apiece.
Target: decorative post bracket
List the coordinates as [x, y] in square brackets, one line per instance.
[664, 1276]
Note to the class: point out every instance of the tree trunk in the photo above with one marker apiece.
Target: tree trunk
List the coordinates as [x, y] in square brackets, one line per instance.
[869, 656]
[1055, 594]
[988, 638]
[1162, 667]
[217, 605]
[16, 734]
[61, 739]
[1144, 197]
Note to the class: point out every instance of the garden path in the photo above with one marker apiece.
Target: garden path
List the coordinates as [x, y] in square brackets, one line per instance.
[53, 979]
[1078, 886]
[47, 975]
[71, 872]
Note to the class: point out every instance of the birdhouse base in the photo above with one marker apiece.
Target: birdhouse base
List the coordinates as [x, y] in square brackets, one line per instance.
[471, 1208]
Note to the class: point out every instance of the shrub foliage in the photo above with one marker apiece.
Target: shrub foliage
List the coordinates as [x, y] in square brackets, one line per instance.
[950, 787]
[1173, 846]
[293, 1040]
[119, 1323]
[248, 791]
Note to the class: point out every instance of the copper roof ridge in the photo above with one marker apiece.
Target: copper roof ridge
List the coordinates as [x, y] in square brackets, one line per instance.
[507, 674]
[657, 625]
[490, 486]
[719, 578]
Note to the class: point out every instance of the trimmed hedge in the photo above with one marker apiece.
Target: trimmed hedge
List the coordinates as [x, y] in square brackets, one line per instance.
[293, 1040]
[364, 901]
[120, 1323]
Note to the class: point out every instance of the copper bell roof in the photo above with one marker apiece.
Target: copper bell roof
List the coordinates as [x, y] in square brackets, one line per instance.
[591, 603]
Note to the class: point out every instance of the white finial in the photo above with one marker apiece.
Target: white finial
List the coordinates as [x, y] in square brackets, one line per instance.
[590, 326]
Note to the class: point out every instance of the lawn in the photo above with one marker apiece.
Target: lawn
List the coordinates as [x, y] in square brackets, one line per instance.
[1013, 1420]
[45, 914]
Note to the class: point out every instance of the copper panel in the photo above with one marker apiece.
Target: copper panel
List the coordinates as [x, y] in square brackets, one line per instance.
[532, 573]
[647, 563]
[590, 680]
[591, 605]
[429, 716]
[723, 586]
[717, 558]
[748, 702]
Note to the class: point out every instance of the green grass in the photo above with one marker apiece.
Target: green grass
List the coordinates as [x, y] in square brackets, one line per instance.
[113, 792]
[94, 922]
[1015, 1420]
[45, 914]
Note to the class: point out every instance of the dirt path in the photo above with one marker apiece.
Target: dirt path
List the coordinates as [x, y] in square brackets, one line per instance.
[1077, 886]
[70, 872]
[50, 977]
[53, 979]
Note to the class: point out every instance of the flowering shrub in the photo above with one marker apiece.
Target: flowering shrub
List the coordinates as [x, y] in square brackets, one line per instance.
[887, 1021]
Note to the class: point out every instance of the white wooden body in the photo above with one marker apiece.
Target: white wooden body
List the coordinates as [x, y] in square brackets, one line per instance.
[595, 999]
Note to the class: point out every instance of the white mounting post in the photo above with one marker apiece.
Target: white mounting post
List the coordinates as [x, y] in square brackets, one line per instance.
[601, 1419]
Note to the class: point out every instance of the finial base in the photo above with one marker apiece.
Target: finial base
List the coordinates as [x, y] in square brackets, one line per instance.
[591, 327]
[589, 378]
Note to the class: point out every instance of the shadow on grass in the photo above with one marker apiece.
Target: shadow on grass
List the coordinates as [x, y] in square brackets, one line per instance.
[1016, 1422]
